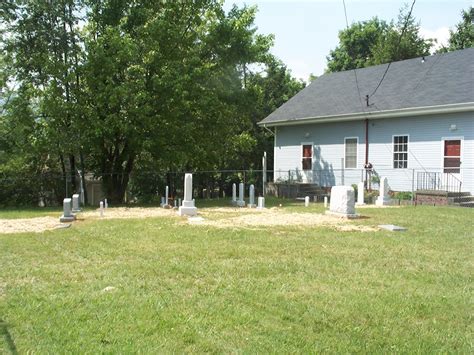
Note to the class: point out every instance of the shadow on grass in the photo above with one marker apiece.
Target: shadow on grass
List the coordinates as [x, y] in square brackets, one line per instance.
[8, 339]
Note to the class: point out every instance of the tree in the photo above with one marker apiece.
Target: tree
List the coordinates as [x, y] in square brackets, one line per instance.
[375, 42]
[463, 36]
[122, 86]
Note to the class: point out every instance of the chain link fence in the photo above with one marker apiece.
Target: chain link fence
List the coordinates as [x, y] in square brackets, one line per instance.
[147, 187]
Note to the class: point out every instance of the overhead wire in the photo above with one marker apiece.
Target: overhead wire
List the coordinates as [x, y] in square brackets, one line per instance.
[354, 70]
[397, 48]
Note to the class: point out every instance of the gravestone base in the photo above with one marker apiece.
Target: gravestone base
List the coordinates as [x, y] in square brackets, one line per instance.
[383, 202]
[251, 205]
[187, 211]
[233, 203]
[241, 203]
[63, 219]
[344, 215]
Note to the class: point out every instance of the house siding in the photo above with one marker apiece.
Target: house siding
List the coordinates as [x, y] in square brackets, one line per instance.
[425, 149]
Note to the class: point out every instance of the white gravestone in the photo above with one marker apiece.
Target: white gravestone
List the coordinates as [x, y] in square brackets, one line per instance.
[241, 201]
[383, 199]
[67, 214]
[166, 196]
[325, 202]
[251, 203]
[234, 195]
[188, 208]
[306, 201]
[75, 203]
[179, 202]
[261, 203]
[162, 203]
[106, 205]
[342, 202]
[101, 207]
[360, 194]
[175, 203]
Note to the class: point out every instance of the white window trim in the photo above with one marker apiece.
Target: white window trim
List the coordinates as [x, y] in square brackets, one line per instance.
[312, 155]
[408, 150]
[461, 152]
[357, 153]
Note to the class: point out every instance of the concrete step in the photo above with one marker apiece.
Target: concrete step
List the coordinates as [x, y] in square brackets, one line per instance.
[464, 199]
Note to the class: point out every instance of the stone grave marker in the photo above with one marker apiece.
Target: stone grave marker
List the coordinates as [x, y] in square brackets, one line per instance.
[383, 199]
[75, 203]
[234, 195]
[342, 202]
[166, 196]
[241, 201]
[261, 203]
[188, 208]
[251, 203]
[67, 213]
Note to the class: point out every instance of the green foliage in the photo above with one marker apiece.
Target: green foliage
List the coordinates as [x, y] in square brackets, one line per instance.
[463, 36]
[403, 195]
[112, 86]
[375, 42]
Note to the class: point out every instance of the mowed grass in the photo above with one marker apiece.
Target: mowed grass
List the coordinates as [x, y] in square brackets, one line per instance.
[182, 288]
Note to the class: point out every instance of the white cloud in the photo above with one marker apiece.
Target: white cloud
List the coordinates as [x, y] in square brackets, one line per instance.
[440, 34]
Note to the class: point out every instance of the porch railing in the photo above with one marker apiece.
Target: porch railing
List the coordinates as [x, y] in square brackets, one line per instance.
[438, 181]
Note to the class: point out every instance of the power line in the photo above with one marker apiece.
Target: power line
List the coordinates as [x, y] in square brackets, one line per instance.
[354, 70]
[398, 47]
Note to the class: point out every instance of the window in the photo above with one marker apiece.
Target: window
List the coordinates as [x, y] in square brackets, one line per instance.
[307, 162]
[400, 152]
[452, 156]
[351, 153]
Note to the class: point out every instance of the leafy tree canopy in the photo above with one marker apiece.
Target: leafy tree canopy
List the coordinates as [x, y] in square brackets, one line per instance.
[463, 36]
[375, 42]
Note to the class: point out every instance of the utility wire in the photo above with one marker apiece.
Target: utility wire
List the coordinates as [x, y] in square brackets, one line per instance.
[398, 47]
[354, 70]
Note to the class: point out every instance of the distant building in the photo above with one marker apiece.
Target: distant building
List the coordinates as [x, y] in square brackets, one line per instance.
[419, 124]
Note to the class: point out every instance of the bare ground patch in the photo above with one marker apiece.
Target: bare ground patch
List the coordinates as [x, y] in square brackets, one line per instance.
[216, 217]
[22, 225]
[277, 217]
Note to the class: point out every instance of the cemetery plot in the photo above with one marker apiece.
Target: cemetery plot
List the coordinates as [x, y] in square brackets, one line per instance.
[219, 217]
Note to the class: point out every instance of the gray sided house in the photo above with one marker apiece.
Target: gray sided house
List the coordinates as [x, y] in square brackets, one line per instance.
[417, 129]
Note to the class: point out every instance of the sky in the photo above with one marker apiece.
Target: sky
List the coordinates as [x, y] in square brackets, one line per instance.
[306, 30]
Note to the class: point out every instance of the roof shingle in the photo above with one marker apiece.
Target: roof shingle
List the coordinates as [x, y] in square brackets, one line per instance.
[442, 79]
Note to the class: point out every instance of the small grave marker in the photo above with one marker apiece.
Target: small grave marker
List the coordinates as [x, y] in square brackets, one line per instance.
[241, 201]
[67, 213]
[188, 208]
[342, 202]
[383, 199]
[75, 203]
[392, 228]
[234, 195]
[251, 197]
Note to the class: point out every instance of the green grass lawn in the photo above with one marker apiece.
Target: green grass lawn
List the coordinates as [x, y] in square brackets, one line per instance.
[188, 288]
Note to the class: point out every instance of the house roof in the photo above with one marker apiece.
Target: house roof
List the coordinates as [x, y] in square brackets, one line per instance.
[441, 81]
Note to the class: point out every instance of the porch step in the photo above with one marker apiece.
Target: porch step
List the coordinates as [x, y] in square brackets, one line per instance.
[310, 190]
